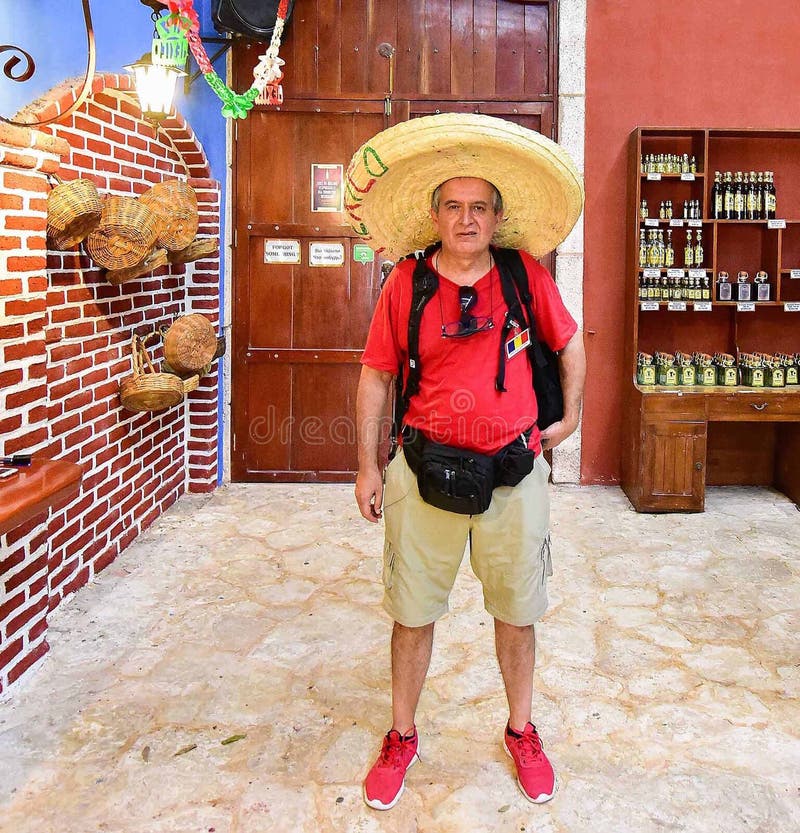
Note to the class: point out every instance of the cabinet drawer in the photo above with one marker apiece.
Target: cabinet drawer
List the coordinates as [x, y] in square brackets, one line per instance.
[751, 407]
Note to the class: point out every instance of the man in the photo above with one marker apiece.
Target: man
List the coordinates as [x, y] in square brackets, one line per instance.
[464, 403]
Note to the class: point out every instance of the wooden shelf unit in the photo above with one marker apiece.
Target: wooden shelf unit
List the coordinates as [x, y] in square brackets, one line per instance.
[678, 439]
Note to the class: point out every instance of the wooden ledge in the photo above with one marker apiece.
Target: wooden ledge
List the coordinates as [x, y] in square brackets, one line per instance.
[36, 488]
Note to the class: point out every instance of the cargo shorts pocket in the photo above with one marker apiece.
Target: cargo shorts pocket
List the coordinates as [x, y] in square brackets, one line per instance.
[546, 557]
[398, 480]
[389, 557]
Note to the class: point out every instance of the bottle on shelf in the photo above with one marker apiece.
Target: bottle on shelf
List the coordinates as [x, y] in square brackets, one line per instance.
[669, 252]
[728, 196]
[717, 197]
[643, 212]
[770, 196]
[705, 291]
[642, 250]
[688, 251]
[738, 198]
[761, 281]
[685, 163]
[686, 209]
[751, 200]
[669, 210]
[760, 196]
[699, 254]
[662, 210]
[723, 287]
[693, 165]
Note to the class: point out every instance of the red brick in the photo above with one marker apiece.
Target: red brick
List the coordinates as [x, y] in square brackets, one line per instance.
[23, 575]
[11, 331]
[75, 140]
[10, 653]
[26, 442]
[12, 605]
[107, 165]
[124, 122]
[10, 202]
[79, 580]
[25, 182]
[83, 161]
[9, 424]
[98, 147]
[29, 613]
[10, 377]
[85, 125]
[80, 330]
[26, 397]
[9, 244]
[40, 627]
[14, 352]
[27, 263]
[37, 586]
[39, 206]
[20, 668]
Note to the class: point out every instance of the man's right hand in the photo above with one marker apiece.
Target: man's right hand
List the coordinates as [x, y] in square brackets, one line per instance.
[369, 494]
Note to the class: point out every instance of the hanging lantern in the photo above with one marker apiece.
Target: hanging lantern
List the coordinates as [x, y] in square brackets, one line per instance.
[155, 86]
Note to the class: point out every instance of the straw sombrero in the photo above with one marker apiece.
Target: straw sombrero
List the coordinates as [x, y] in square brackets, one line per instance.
[391, 178]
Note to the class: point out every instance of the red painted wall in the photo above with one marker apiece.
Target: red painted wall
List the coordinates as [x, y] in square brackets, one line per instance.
[715, 63]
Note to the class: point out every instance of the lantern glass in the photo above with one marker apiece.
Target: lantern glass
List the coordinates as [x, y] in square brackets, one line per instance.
[155, 86]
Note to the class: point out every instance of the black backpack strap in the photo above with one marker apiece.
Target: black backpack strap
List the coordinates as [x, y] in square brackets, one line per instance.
[507, 261]
[424, 286]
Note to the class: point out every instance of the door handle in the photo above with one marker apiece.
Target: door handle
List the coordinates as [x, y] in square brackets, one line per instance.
[759, 406]
[698, 466]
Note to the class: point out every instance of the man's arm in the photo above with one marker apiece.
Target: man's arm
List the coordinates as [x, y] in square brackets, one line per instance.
[371, 400]
[572, 369]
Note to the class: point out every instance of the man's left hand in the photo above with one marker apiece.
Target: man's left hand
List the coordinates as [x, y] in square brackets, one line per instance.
[556, 433]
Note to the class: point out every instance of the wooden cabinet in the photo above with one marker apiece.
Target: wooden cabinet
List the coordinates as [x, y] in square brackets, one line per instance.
[667, 449]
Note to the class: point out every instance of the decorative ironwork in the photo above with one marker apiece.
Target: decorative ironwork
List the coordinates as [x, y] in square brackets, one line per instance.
[13, 62]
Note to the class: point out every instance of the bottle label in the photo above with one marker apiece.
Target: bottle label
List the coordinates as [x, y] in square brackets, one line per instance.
[648, 306]
[702, 306]
[676, 223]
[746, 306]
[695, 223]
[654, 177]
[794, 274]
[651, 273]
[697, 273]
[776, 223]
[687, 177]
[677, 306]
[653, 221]
[791, 306]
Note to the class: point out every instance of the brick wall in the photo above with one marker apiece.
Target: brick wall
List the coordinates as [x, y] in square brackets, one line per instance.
[64, 347]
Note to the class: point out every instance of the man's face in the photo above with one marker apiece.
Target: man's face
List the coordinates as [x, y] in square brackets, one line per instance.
[466, 221]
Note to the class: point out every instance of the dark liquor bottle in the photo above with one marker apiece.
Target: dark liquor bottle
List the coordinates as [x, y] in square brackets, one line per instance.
[738, 198]
[717, 197]
[727, 196]
[760, 196]
[770, 197]
[752, 198]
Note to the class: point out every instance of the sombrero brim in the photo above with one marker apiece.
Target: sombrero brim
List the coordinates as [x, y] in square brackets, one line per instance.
[391, 178]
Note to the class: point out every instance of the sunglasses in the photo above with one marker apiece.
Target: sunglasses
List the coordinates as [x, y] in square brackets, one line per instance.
[468, 324]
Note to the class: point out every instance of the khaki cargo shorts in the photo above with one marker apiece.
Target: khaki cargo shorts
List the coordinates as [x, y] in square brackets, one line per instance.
[424, 547]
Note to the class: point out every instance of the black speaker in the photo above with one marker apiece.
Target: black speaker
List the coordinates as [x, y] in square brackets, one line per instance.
[251, 18]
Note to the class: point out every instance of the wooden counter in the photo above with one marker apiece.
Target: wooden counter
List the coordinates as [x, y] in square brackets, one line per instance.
[36, 488]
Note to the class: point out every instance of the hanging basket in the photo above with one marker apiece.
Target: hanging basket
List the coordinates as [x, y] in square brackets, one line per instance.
[155, 260]
[189, 344]
[147, 389]
[127, 233]
[199, 248]
[73, 211]
[175, 204]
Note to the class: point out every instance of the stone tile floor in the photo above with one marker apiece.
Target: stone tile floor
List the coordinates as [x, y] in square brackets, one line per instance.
[668, 678]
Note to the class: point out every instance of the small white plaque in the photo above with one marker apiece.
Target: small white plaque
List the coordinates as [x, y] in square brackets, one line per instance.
[776, 223]
[794, 274]
[325, 254]
[694, 223]
[791, 306]
[702, 306]
[676, 222]
[697, 273]
[675, 273]
[281, 251]
[654, 177]
[648, 306]
[687, 177]
[651, 273]
[651, 221]
[677, 306]
[746, 306]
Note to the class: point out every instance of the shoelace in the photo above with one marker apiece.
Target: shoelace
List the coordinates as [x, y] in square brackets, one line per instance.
[393, 749]
[529, 747]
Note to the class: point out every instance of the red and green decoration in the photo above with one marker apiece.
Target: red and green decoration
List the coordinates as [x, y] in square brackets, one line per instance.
[267, 74]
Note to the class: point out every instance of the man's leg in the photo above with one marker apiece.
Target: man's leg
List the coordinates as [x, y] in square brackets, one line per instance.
[411, 656]
[516, 652]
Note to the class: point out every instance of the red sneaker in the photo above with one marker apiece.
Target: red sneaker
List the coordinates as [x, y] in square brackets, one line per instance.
[535, 775]
[385, 782]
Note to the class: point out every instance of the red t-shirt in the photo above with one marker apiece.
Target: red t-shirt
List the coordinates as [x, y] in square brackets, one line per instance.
[457, 403]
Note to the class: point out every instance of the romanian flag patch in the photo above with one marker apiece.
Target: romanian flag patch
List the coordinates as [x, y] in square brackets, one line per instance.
[517, 343]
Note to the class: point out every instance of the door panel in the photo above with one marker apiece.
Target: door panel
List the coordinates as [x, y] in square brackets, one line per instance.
[298, 329]
[674, 466]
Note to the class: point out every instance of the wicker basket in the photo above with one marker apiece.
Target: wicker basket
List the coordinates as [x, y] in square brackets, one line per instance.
[199, 248]
[73, 211]
[175, 204]
[190, 344]
[147, 389]
[155, 260]
[126, 235]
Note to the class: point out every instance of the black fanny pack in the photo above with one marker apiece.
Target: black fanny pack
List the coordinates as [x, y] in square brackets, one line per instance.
[462, 481]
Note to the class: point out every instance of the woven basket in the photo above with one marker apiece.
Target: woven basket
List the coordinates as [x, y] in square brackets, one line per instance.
[190, 344]
[73, 211]
[155, 260]
[199, 248]
[147, 389]
[127, 233]
[175, 204]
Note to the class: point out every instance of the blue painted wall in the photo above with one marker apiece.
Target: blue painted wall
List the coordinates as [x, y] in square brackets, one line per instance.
[54, 34]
